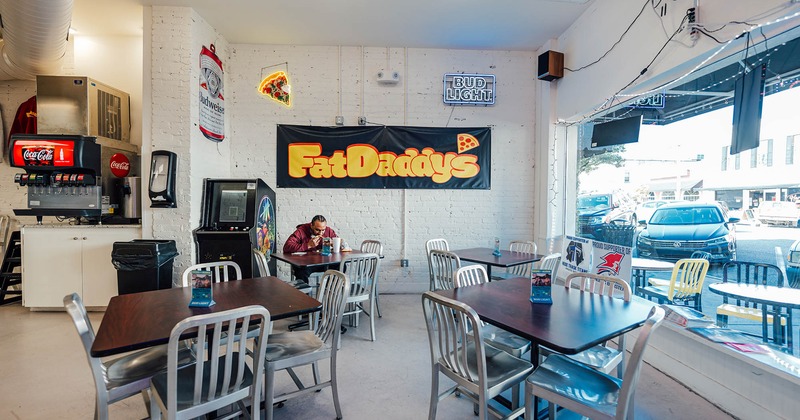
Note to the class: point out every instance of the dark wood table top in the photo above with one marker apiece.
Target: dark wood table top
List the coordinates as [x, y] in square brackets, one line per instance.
[574, 322]
[786, 297]
[507, 259]
[313, 258]
[139, 320]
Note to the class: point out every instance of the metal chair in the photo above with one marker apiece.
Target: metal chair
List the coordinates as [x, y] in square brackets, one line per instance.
[602, 357]
[263, 271]
[374, 247]
[522, 270]
[443, 266]
[431, 244]
[299, 348]
[220, 377]
[117, 379]
[220, 270]
[361, 271]
[685, 286]
[550, 262]
[578, 388]
[458, 350]
[750, 273]
[497, 337]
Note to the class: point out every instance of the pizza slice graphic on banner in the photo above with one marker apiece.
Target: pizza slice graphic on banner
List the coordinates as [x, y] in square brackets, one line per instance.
[466, 142]
[276, 87]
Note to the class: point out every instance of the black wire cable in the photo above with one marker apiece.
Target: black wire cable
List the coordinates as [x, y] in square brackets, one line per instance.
[647, 67]
[702, 31]
[644, 6]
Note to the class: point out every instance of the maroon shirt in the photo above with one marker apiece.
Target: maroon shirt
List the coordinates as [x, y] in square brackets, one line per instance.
[298, 241]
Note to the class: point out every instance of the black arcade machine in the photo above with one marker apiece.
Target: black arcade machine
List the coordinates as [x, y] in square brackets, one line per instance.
[238, 215]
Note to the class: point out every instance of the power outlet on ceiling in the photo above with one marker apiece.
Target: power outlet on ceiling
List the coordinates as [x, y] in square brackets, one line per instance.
[339, 120]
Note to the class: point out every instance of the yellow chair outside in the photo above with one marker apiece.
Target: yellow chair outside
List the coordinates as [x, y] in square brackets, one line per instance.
[685, 285]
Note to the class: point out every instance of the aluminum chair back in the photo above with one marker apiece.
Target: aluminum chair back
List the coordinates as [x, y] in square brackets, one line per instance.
[443, 267]
[220, 376]
[431, 244]
[458, 351]
[120, 378]
[334, 288]
[362, 271]
[585, 391]
[374, 247]
[261, 263]
[470, 275]
[599, 284]
[220, 271]
[551, 262]
[525, 247]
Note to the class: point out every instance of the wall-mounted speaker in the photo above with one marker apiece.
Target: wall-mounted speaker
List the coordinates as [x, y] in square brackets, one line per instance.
[551, 66]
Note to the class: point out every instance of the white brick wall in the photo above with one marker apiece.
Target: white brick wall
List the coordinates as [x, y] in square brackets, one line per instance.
[401, 220]
[178, 35]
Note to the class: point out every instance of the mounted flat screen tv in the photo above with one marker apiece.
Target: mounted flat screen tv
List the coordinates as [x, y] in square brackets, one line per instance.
[625, 130]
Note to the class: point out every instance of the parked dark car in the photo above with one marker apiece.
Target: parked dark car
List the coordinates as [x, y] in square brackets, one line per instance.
[597, 211]
[676, 230]
[793, 264]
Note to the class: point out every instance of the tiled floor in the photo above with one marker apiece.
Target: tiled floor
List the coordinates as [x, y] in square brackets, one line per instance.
[45, 375]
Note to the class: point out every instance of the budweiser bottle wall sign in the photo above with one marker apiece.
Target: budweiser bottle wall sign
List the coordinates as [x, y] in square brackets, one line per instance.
[57, 153]
[120, 165]
[212, 102]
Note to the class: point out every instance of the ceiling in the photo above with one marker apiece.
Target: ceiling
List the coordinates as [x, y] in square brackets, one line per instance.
[459, 24]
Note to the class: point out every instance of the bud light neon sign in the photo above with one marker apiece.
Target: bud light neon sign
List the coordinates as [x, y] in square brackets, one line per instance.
[469, 89]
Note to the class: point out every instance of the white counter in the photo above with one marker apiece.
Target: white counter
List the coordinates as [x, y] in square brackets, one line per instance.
[59, 259]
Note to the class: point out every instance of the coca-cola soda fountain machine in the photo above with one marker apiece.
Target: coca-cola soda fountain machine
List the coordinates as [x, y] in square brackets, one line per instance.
[62, 174]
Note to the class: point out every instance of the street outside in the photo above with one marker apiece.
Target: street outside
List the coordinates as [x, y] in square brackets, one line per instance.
[755, 243]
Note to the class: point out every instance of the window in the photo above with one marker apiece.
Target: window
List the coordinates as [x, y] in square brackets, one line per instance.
[668, 195]
[724, 166]
[790, 149]
[765, 152]
[753, 158]
[737, 161]
[691, 195]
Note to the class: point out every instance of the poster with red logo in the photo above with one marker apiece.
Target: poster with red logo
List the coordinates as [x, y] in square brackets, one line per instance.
[212, 102]
[611, 260]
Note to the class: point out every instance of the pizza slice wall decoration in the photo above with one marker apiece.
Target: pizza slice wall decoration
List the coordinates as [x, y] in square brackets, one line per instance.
[276, 87]
[466, 142]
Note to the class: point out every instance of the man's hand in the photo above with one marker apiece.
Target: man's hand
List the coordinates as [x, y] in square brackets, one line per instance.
[314, 241]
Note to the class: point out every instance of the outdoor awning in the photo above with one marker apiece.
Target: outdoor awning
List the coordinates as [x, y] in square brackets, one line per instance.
[670, 185]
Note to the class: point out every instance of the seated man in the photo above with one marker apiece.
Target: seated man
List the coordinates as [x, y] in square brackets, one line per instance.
[306, 238]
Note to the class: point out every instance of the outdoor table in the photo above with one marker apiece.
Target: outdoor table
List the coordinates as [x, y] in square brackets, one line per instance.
[640, 267]
[139, 320]
[506, 259]
[781, 299]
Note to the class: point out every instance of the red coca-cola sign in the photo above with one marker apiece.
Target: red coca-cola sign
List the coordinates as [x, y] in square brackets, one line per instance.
[120, 165]
[58, 153]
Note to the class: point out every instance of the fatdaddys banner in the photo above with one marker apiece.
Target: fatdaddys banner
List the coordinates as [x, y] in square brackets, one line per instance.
[384, 157]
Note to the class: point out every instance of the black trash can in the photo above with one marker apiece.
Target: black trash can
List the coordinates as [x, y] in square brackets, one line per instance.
[143, 264]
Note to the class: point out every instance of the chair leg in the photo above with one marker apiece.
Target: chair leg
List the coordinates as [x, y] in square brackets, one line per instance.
[146, 398]
[269, 393]
[623, 351]
[551, 410]
[529, 412]
[515, 397]
[335, 388]
[434, 393]
[372, 320]
[155, 410]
